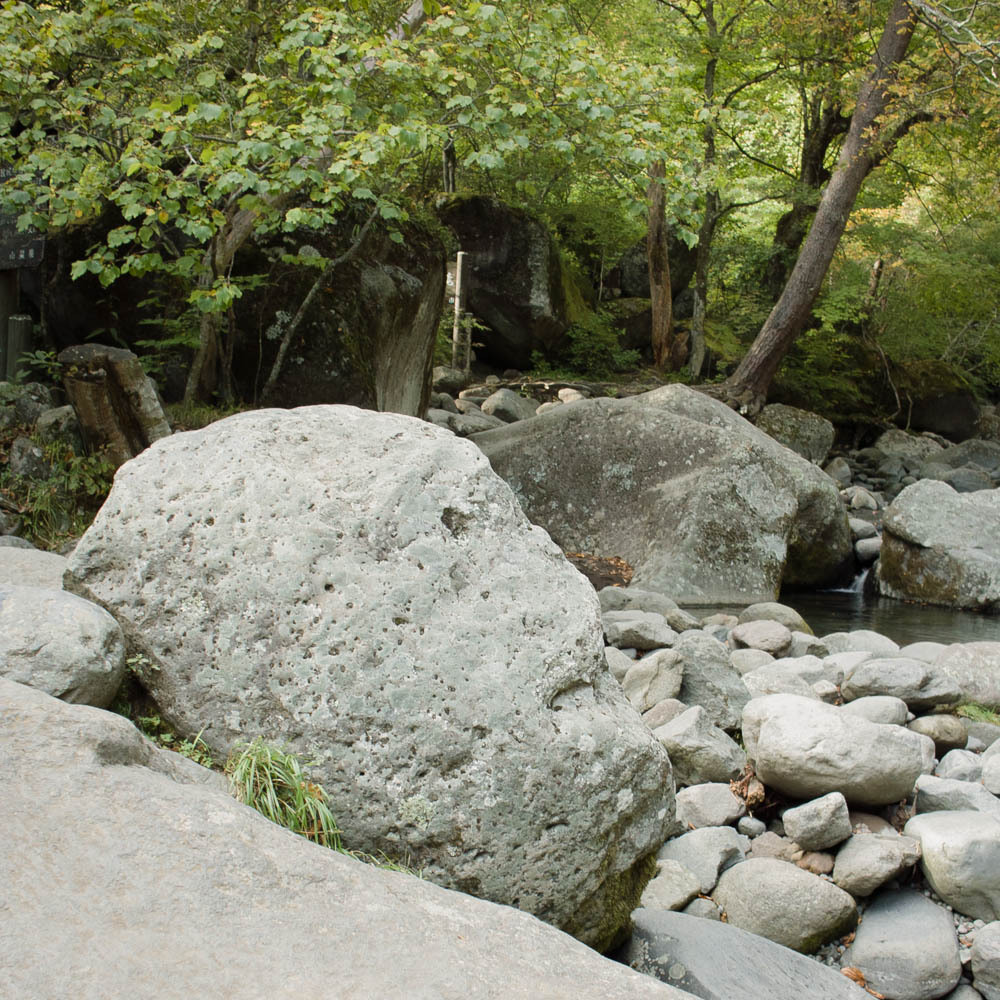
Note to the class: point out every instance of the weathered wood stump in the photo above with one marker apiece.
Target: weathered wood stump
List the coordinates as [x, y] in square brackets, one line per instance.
[115, 402]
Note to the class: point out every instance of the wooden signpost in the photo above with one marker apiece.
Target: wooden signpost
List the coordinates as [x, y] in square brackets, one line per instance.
[17, 250]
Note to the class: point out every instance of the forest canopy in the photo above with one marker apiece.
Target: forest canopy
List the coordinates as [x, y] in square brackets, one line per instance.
[199, 128]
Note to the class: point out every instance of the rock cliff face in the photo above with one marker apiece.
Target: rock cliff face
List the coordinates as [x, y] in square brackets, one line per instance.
[363, 588]
[517, 284]
[706, 508]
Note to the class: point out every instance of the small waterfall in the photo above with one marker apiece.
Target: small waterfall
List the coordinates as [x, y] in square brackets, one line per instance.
[856, 586]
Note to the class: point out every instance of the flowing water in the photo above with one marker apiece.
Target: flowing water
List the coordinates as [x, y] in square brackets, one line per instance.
[851, 608]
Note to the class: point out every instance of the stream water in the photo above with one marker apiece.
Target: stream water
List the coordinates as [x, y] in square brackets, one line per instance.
[845, 610]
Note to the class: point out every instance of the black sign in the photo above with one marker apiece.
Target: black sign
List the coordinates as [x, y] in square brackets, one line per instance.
[17, 249]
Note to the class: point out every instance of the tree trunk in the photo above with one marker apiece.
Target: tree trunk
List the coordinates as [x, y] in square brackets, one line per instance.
[659, 272]
[747, 387]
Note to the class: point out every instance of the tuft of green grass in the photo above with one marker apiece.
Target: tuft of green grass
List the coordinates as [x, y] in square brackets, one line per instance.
[978, 713]
[274, 783]
[163, 736]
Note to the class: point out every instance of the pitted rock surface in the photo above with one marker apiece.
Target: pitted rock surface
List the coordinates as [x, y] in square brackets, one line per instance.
[363, 588]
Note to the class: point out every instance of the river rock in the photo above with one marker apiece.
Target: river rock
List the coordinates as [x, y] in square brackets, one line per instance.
[986, 960]
[785, 904]
[860, 640]
[942, 547]
[635, 599]
[818, 823]
[706, 852]
[700, 751]
[709, 804]
[618, 662]
[946, 731]
[773, 611]
[509, 406]
[770, 636]
[960, 765]
[807, 434]
[961, 859]
[991, 774]
[919, 684]
[710, 679]
[807, 748]
[463, 424]
[671, 888]
[60, 644]
[866, 861]
[663, 712]
[642, 630]
[975, 666]
[777, 679]
[940, 794]
[31, 567]
[879, 708]
[121, 814]
[747, 660]
[906, 947]
[382, 614]
[706, 507]
[717, 961]
[654, 678]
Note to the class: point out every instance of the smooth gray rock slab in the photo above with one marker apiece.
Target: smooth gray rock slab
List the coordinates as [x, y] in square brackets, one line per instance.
[906, 946]
[961, 859]
[710, 804]
[944, 794]
[785, 904]
[975, 667]
[700, 751]
[706, 507]
[819, 823]
[717, 961]
[392, 615]
[942, 547]
[60, 644]
[919, 684]
[706, 852]
[643, 630]
[986, 960]
[464, 424]
[926, 651]
[31, 567]
[991, 774]
[866, 861]
[663, 712]
[807, 748]
[883, 708]
[777, 678]
[97, 822]
[710, 680]
[618, 662]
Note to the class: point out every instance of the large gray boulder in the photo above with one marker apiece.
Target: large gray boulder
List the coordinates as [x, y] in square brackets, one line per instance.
[706, 507]
[942, 547]
[807, 434]
[717, 961]
[248, 909]
[807, 748]
[31, 567]
[363, 588]
[60, 644]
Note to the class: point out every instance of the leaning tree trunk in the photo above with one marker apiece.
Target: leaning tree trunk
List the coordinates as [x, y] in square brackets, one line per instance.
[659, 272]
[746, 389]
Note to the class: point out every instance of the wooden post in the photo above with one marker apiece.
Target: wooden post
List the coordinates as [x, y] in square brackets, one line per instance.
[8, 306]
[461, 334]
[20, 330]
